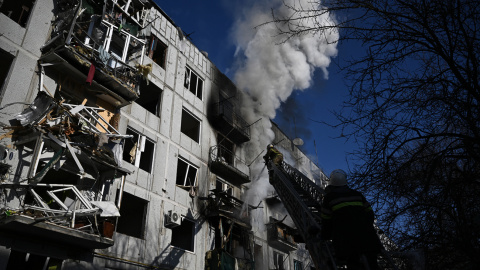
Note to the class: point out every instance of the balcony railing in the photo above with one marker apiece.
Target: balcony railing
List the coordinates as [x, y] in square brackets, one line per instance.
[51, 215]
[225, 164]
[220, 203]
[92, 44]
[229, 123]
[280, 236]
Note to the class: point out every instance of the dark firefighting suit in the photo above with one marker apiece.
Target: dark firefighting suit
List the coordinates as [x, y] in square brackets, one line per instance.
[276, 157]
[347, 219]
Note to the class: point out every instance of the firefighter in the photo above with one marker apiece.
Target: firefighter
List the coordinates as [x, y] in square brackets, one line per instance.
[276, 157]
[347, 219]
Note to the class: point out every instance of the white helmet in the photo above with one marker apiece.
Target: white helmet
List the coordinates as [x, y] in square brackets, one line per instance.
[338, 178]
[269, 146]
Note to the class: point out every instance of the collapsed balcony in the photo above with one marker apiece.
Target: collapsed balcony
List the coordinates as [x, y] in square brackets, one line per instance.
[233, 232]
[221, 204]
[225, 164]
[99, 45]
[281, 236]
[74, 156]
[228, 122]
[76, 222]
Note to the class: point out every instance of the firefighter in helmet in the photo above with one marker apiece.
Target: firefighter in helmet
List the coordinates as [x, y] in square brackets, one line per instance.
[275, 156]
[347, 219]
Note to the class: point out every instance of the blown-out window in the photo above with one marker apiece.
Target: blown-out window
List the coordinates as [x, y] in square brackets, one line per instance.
[150, 97]
[226, 149]
[224, 187]
[133, 212]
[186, 173]
[183, 236]
[139, 150]
[157, 50]
[190, 126]
[193, 83]
[19, 10]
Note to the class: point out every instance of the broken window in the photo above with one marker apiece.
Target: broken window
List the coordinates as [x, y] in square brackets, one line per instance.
[297, 265]
[139, 150]
[183, 236]
[133, 212]
[6, 61]
[278, 261]
[186, 173]
[193, 83]
[190, 125]
[157, 50]
[116, 44]
[150, 97]
[226, 149]
[19, 10]
[223, 186]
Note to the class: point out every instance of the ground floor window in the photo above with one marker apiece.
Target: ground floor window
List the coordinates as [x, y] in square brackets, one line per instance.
[133, 212]
[183, 236]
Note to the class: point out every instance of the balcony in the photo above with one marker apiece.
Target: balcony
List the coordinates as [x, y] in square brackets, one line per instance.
[281, 236]
[225, 164]
[98, 48]
[74, 156]
[75, 227]
[221, 204]
[229, 123]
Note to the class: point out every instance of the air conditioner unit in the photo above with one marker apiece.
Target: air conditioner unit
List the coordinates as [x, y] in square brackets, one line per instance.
[172, 219]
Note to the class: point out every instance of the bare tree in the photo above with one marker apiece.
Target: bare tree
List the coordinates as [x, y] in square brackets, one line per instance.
[414, 107]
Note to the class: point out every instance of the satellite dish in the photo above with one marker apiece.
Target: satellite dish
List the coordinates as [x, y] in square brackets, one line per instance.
[298, 142]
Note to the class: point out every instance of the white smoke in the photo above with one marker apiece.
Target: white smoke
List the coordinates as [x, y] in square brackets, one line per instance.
[270, 71]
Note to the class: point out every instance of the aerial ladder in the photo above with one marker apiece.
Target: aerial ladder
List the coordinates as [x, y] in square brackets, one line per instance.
[302, 198]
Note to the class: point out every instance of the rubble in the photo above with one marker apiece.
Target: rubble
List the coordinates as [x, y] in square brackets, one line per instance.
[75, 139]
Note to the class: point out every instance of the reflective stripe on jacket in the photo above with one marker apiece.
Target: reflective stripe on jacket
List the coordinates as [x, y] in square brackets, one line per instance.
[347, 219]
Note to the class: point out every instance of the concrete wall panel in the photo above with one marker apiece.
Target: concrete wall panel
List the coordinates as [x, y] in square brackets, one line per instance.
[160, 166]
[39, 26]
[166, 113]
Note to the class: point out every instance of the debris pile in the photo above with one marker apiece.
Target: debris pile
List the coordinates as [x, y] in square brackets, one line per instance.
[85, 151]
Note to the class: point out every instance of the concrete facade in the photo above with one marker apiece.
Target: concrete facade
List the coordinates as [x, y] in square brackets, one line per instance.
[178, 135]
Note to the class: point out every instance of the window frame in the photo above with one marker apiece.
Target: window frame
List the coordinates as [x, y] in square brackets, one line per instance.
[224, 186]
[297, 264]
[144, 87]
[154, 41]
[279, 264]
[224, 143]
[140, 148]
[187, 83]
[179, 230]
[144, 215]
[22, 17]
[185, 178]
[184, 110]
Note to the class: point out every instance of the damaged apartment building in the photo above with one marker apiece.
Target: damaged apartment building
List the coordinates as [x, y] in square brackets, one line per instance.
[122, 147]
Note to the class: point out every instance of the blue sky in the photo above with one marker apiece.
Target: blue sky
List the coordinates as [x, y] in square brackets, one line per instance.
[211, 25]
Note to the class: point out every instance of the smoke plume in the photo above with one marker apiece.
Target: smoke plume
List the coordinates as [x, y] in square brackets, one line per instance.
[269, 70]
